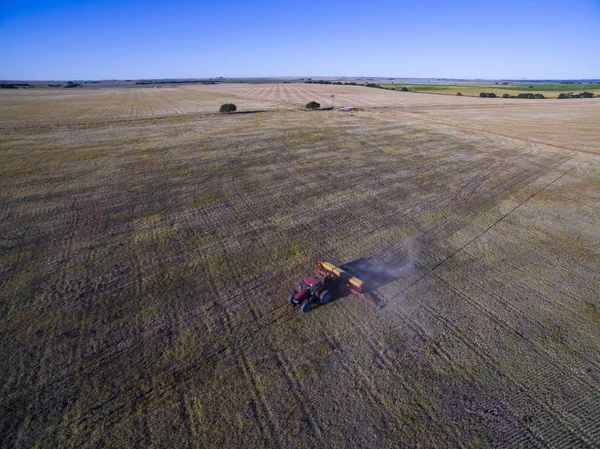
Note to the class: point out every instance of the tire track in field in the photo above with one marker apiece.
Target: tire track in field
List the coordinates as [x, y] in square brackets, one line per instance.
[291, 377]
[564, 266]
[300, 394]
[537, 347]
[518, 433]
[271, 429]
[576, 434]
[364, 380]
[145, 340]
[108, 408]
[575, 408]
[379, 351]
[517, 181]
[482, 354]
[431, 270]
[428, 233]
[260, 407]
[558, 307]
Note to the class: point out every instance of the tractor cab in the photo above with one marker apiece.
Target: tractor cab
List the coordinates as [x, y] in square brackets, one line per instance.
[312, 291]
[312, 283]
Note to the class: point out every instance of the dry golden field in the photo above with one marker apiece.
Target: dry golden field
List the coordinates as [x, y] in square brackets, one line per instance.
[148, 245]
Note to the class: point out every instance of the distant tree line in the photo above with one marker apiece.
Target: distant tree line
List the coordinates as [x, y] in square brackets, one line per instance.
[72, 84]
[338, 83]
[175, 82]
[528, 96]
[13, 85]
[572, 95]
[323, 82]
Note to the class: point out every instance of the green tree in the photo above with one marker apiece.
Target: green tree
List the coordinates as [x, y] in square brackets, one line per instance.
[312, 105]
[227, 108]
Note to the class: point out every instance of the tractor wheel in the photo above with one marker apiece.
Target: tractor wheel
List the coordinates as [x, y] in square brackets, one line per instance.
[325, 297]
[291, 298]
[306, 306]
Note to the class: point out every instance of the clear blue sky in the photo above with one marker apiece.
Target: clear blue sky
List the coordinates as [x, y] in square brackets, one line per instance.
[63, 40]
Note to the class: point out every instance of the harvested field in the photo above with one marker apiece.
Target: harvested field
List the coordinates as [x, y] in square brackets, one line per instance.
[571, 124]
[55, 107]
[146, 258]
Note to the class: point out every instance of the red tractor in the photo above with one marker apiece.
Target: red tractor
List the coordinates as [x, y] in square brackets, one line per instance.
[335, 279]
[312, 291]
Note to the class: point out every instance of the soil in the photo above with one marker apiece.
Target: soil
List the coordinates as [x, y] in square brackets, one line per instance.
[148, 245]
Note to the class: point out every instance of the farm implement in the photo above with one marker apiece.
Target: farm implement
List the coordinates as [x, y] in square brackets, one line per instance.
[336, 281]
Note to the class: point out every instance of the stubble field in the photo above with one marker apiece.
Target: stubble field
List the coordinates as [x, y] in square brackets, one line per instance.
[147, 247]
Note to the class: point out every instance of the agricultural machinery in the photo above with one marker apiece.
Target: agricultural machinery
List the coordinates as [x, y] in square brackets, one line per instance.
[336, 282]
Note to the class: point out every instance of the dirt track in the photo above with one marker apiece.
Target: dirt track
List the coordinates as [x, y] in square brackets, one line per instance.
[145, 267]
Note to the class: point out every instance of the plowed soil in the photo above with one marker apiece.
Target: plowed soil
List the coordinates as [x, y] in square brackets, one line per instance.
[148, 245]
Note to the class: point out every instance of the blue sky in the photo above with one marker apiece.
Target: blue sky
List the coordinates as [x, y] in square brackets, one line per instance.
[60, 40]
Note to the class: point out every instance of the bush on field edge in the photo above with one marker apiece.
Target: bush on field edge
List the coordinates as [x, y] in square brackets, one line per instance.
[528, 96]
[227, 108]
[572, 95]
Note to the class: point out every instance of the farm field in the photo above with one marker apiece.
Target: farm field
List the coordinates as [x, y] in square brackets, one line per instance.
[55, 107]
[569, 124]
[148, 246]
[548, 90]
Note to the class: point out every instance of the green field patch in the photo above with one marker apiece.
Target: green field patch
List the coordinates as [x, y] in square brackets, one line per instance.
[549, 90]
[396, 149]
[293, 253]
[155, 235]
[14, 256]
[211, 199]
[591, 312]
[149, 220]
[75, 156]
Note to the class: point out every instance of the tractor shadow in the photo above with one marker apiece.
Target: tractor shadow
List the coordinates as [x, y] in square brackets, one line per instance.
[373, 275]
